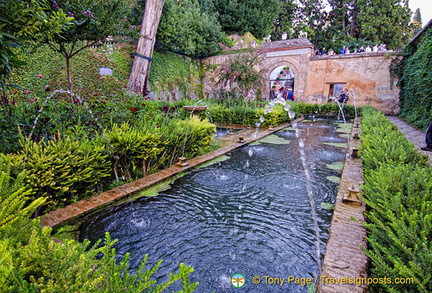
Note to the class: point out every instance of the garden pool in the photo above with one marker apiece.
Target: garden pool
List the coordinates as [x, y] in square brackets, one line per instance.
[262, 210]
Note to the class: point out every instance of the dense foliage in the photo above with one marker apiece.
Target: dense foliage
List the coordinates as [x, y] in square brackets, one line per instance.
[416, 82]
[398, 193]
[175, 76]
[254, 16]
[384, 21]
[238, 74]
[35, 261]
[22, 21]
[74, 150]
[188, 29]
[339, 23]
[235, 110]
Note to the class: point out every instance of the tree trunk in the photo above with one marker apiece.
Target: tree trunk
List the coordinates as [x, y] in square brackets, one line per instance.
[138, 79]
[69, 77]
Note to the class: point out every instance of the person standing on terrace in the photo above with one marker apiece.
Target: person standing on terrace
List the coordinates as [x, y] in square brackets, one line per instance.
[428, 146]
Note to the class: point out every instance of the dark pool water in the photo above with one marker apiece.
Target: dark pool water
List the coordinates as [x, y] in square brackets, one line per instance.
[250, 214]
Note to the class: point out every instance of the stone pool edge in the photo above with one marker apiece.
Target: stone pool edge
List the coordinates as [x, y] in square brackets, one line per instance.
[345, 261]
[86, 206]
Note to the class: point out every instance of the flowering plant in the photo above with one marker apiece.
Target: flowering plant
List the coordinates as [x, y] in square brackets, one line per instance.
[238, 74]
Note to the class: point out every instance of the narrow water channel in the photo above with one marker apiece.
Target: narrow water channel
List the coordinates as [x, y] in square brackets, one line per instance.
[249, 214]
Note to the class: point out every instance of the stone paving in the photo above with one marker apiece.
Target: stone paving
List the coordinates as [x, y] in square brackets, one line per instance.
[414, 135]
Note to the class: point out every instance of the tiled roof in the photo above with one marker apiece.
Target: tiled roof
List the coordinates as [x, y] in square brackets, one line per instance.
[291, 43]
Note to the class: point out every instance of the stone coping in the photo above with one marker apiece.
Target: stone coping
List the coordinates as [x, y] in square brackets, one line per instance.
[344, 259]
[86, 206]
[351, 55]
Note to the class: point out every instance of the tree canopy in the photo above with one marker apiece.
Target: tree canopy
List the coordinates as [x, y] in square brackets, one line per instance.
[330, 24]
[187, 28]
[254, 16]
[384, 21]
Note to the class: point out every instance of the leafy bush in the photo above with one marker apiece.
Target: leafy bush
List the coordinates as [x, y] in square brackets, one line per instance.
[398, 193]
[186, 28]
[385, 145]
[182, 138]
[34, 261]
[238, 74]
[130, 149]
[61, 170]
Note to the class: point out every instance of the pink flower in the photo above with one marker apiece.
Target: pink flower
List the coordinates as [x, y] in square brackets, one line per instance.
[40, 75]
[27, 92]
[32, 100]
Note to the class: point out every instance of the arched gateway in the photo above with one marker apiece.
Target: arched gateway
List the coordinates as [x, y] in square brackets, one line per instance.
[294, 54]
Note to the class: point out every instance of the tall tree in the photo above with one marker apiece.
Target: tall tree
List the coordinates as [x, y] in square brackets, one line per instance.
[254, 16]
[417, 21]
[140, 72]
[417, 17]
[311, 18]
[342, 23]
[384, 21]
[284, 22]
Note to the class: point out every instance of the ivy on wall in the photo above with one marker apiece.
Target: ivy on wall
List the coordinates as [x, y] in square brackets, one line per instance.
[416, 83]
[172, 72]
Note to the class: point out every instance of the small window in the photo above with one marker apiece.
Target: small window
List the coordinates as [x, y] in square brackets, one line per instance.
[335, 89]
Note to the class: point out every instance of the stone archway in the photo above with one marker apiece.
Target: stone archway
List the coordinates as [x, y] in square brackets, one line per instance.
[270, 64]
[281, 77]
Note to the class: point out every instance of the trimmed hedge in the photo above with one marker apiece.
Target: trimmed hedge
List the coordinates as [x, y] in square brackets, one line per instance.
[398, 193]
[240, 112]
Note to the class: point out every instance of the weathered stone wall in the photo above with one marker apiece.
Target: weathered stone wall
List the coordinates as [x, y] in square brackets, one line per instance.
[365, 75]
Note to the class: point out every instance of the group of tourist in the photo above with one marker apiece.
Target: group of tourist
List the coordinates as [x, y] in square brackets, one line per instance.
[346, 50]
[285, 93]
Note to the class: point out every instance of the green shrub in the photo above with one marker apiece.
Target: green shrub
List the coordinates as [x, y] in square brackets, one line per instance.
[62, 170]
[398, 194]
[384, 144]
[35, 261]
[237, 111]
[130, 149]
[183, 138]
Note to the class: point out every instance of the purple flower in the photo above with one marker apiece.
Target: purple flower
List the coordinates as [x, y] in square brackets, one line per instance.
[88, 13]
[55, 5]
[70, 14]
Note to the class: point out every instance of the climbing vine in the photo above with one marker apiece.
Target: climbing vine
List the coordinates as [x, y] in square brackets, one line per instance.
[416, 82]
